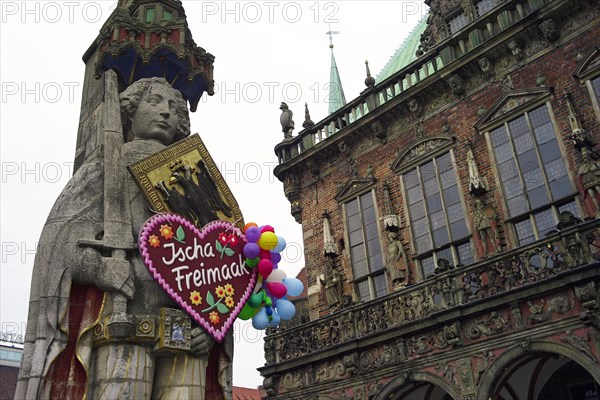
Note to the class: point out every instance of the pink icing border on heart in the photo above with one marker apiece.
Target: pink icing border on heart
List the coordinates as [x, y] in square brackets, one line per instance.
[218, 334]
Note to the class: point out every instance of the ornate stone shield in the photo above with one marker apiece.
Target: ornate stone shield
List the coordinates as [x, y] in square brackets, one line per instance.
[184, 179]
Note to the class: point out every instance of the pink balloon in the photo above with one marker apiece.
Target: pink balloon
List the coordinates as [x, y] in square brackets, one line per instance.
[277, 289]
[267, 228]
[265, 267]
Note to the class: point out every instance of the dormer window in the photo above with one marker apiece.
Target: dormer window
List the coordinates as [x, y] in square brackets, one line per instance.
[457, 22]
[167, 15]
[149, 14]
[483, 6]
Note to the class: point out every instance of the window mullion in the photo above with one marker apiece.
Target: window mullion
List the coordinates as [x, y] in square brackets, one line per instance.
[539, 158]
[443, 199]
[364, 236]
[425, 207]
[517, 164]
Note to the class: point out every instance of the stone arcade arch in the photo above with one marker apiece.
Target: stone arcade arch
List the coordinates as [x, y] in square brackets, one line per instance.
[540, 351]
[418, 382]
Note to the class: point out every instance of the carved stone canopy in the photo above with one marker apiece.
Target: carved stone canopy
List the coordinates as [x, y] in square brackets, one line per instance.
[329, 246]
[391, 221]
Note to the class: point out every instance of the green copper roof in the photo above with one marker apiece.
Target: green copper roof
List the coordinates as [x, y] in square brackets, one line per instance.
[405, 54]
[336, 92]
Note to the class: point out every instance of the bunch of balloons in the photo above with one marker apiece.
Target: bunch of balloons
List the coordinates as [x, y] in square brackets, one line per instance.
[267, 305]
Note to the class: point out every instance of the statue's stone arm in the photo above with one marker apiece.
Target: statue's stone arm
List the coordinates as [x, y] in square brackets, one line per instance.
[108, 274]
[201, 343]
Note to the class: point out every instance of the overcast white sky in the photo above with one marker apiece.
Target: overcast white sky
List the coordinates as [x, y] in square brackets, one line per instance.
[266, 52]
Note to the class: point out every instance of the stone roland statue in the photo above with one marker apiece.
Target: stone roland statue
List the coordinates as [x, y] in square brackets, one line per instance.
[74, 287]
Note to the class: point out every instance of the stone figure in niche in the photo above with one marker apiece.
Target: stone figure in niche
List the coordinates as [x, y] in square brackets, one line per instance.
[484, 220]
[333, 284]
[71, 282]
[589, 174]
[397, 261]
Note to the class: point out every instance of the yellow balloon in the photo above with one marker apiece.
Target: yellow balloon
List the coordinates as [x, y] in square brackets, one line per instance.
[267, 241]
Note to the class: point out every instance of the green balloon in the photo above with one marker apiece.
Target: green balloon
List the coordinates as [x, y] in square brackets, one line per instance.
[252, 262]
[247, 312]
[255, 300]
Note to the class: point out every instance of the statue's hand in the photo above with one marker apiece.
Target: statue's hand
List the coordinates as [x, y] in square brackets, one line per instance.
[201, 342]
[108, 274]
[117, 276]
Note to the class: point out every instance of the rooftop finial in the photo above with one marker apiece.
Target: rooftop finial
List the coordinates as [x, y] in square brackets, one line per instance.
[369, 81]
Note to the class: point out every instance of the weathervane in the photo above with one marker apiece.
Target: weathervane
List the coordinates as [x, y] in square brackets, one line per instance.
[330, 33]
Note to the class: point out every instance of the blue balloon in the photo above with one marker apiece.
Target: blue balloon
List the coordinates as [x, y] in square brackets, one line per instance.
[285, 309]
[280, 245]
[253, 234]
[275, 319]
[294, 286]
[260, 321]
[251, 250]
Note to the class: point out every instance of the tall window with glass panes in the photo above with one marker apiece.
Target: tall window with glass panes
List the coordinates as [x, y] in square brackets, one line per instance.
[365, 247]
[436, 212]
[532, 174]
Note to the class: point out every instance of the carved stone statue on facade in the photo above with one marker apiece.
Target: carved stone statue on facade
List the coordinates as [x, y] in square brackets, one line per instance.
[397, 261]
[62, 358]
[484, 220]
[287, 124]
[333, 284]
[589, 173]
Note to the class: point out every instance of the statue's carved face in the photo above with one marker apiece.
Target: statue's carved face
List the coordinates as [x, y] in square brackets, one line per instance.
[156, 115]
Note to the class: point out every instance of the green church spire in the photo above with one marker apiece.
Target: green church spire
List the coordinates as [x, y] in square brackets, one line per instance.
[336, 92]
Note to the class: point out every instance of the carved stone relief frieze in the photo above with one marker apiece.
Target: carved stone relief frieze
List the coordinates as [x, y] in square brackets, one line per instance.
[580, 343]
[541, 310]
[465, 374]
[457, 84]
[482, 362]
[549, 29]
[329, 371]
[494, 324]
[448, 371]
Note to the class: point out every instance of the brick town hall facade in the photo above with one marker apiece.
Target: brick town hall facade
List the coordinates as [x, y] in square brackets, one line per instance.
[450, 216]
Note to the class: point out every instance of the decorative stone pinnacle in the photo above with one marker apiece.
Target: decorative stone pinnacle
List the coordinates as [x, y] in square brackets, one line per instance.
[307, 121]
[369, 81]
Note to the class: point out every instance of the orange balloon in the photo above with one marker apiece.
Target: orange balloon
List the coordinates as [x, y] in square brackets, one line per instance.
[248, 225]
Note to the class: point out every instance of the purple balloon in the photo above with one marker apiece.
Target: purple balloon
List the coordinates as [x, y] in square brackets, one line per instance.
[253, 234]
[275, 257]
[251, 250]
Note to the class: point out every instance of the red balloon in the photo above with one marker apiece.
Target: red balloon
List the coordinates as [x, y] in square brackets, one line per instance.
[265, 267]
[265, 254]
[267, 228]
[277, 289]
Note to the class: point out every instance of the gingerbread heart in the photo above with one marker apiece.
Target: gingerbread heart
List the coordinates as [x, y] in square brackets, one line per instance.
[204, 271]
